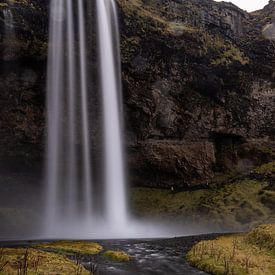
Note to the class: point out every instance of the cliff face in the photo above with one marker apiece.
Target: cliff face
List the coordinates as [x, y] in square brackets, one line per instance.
[198, 80]
[23, 53]
[199, 89]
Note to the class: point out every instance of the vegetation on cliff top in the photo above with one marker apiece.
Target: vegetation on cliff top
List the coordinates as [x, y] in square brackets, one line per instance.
[251, 253]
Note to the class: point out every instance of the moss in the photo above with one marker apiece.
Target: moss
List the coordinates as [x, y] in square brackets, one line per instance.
[130, 46]
[117, 256]
[234, 206]
[229, 55]
[222, 178]
[72, 247]
[268, 198]
[237, 254]
[149, 16]
[266, 169]
[33, 261]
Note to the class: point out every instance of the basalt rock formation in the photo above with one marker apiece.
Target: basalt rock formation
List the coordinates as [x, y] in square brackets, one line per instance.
[198, 84]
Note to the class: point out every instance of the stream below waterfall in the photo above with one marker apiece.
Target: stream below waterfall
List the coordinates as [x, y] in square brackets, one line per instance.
[163, 257]
[149, 256]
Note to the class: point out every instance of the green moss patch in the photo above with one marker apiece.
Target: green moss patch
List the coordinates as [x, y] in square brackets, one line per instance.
[32, 261]
[251, 253]
[72, 247]
[240, 205]
[267, 169]
[117, 256]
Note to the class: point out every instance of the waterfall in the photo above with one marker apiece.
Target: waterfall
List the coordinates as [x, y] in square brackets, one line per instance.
[69, 170]
[67, 93]
[110, 83]
[72, 171]
[54, 108]
[9, 36]
[9, 22]
[84, 111]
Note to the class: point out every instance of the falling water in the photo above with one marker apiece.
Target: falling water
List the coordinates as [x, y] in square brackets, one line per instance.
[67, 82]
[116, 213]
[54, 108]
[9, 23]
[69, 169]
[72, 173]
[72, 207]
[84, 112]
[9, 33]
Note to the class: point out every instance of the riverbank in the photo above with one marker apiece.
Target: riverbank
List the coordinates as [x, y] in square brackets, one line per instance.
[251, 253]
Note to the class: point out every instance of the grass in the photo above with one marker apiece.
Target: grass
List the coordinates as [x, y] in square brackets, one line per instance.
[240, 205]
[117, 256]
[157, 20]
[230, 54]
[54, 258]
[249, 253]
[149, 17]
[32, 261]
[72, 247]
[263, 237]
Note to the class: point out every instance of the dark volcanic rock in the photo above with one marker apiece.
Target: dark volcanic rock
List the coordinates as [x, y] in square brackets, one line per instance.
[198, 80]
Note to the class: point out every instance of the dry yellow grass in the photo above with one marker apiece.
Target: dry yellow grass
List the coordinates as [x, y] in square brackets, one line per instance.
[68, 247]
[117, 256]
[241, 254]
[31, 261]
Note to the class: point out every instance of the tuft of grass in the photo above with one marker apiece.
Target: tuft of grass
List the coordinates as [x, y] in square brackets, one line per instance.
[117, 256]
[31, 261]
[263, 237]
[241, 254]
[229, 55]
[72, 247]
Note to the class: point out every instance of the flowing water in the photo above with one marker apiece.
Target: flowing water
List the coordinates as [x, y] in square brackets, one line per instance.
[55, 113]
[115, 198]
[70, 198]
[9, 36]
[9, 22]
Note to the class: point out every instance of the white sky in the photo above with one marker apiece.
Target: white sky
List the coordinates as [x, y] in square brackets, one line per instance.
[249, 5]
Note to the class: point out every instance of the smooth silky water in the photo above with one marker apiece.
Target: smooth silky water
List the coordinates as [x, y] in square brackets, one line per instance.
[70, 208]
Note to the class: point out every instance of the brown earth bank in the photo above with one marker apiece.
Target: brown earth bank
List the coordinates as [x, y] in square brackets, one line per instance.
[198, 88]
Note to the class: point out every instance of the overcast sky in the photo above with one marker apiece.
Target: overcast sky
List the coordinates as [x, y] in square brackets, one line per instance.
[249, 5]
